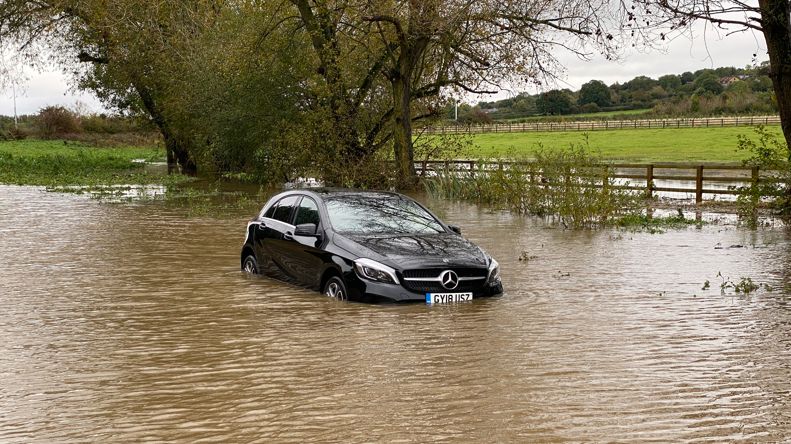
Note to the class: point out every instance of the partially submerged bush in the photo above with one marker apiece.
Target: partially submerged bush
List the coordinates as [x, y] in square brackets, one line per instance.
[769, 155]
[571, 185]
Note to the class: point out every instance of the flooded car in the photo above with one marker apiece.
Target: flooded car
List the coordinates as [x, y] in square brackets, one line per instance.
[366, 246]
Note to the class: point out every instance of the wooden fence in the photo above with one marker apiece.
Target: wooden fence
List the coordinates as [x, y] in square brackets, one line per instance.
[701, 174]
[598, 125]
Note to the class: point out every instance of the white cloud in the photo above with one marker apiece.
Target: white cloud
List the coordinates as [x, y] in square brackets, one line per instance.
[45, 88]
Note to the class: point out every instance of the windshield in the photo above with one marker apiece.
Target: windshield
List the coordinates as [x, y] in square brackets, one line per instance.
[379, 214]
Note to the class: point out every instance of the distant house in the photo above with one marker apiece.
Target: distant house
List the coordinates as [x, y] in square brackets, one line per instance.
[490, 110]
[729, 80]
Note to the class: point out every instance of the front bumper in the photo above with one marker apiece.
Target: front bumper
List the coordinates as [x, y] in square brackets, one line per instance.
[369, 291]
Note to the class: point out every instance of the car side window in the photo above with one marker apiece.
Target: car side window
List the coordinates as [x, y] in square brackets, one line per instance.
[308, 212]
[284, 207]
[271, 211]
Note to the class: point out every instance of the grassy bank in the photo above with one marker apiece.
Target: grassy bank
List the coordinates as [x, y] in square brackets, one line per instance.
[56, 163]
[644, 145]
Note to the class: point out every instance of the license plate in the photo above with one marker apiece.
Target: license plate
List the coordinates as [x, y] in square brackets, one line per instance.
[447, 298]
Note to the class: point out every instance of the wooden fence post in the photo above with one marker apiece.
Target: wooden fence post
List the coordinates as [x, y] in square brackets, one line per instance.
[755, 175]
[649, 181]
[472, 168]
[699, 184]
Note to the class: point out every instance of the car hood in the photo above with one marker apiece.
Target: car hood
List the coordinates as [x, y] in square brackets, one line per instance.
[416, 250]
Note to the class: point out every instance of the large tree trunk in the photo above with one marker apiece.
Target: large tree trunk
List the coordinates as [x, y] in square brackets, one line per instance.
[179, 159]
[176, 148]
[776, 24]
[402, 131]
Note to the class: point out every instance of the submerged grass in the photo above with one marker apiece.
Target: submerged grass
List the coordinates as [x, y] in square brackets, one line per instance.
[116, 175]
[197, 199]
[59, 163]
[643, 222]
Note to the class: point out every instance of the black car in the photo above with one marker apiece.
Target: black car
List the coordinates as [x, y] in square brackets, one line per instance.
[366, 246]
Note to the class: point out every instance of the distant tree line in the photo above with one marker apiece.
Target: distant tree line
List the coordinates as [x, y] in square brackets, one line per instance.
[708, 92]
[74, 124]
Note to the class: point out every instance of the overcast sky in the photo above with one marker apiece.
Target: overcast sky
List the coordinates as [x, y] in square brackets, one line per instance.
[52, 87]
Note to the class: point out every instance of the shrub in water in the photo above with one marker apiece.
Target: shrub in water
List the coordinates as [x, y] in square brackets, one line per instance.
[770, 155]
[571, 185]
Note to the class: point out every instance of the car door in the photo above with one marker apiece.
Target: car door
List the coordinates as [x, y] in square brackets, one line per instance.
[259, 232]
[305, 252]
[277, 231]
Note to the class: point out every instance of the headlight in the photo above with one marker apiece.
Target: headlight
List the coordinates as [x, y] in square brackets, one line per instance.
[494, 271]
[374, 271]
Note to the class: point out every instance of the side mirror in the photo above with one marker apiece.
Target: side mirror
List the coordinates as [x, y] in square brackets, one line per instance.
[455, 229]
[305, 230]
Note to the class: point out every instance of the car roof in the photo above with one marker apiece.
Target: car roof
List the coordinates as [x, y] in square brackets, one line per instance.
[327, 192]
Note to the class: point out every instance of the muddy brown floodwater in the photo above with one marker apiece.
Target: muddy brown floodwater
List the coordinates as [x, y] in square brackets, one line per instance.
[132, 322]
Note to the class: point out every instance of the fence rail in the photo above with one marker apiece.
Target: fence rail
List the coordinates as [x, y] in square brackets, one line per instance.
[651, 173]
[599, 125]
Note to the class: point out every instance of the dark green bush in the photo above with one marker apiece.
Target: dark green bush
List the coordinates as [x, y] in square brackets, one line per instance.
[56, 121]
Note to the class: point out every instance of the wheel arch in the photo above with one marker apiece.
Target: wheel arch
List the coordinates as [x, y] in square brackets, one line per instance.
[246, 251]
[329, 273]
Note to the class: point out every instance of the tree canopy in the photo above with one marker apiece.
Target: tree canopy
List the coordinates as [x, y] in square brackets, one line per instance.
[596, 92]
[274, 89]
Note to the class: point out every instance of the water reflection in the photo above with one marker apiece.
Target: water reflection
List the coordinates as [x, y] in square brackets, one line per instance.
[132, 323]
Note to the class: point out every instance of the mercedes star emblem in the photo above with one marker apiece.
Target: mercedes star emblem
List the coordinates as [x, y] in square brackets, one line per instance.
[449, 279]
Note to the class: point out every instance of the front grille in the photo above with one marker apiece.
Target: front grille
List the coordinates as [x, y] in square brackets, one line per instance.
[434, 272]
[436, 287]
[433, 286]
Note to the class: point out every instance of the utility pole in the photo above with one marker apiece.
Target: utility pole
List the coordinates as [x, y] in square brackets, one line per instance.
[456, 113]
[16, 119]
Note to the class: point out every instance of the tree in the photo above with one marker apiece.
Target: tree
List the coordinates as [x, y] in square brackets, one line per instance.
[243, 97]
[708, 83]
[554, 102]
[670, 83]
[128, 51]
[772, 18]
[421, 50]
[687, 77]
[596, 92]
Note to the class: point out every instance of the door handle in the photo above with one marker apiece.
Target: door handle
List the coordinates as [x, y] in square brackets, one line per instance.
[288, 236]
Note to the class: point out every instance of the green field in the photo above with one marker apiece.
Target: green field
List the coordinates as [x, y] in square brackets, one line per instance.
[55, 162]
[583, 116]
[655, 145]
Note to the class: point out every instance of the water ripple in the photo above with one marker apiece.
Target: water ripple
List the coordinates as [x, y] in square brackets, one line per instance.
[132, 323]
